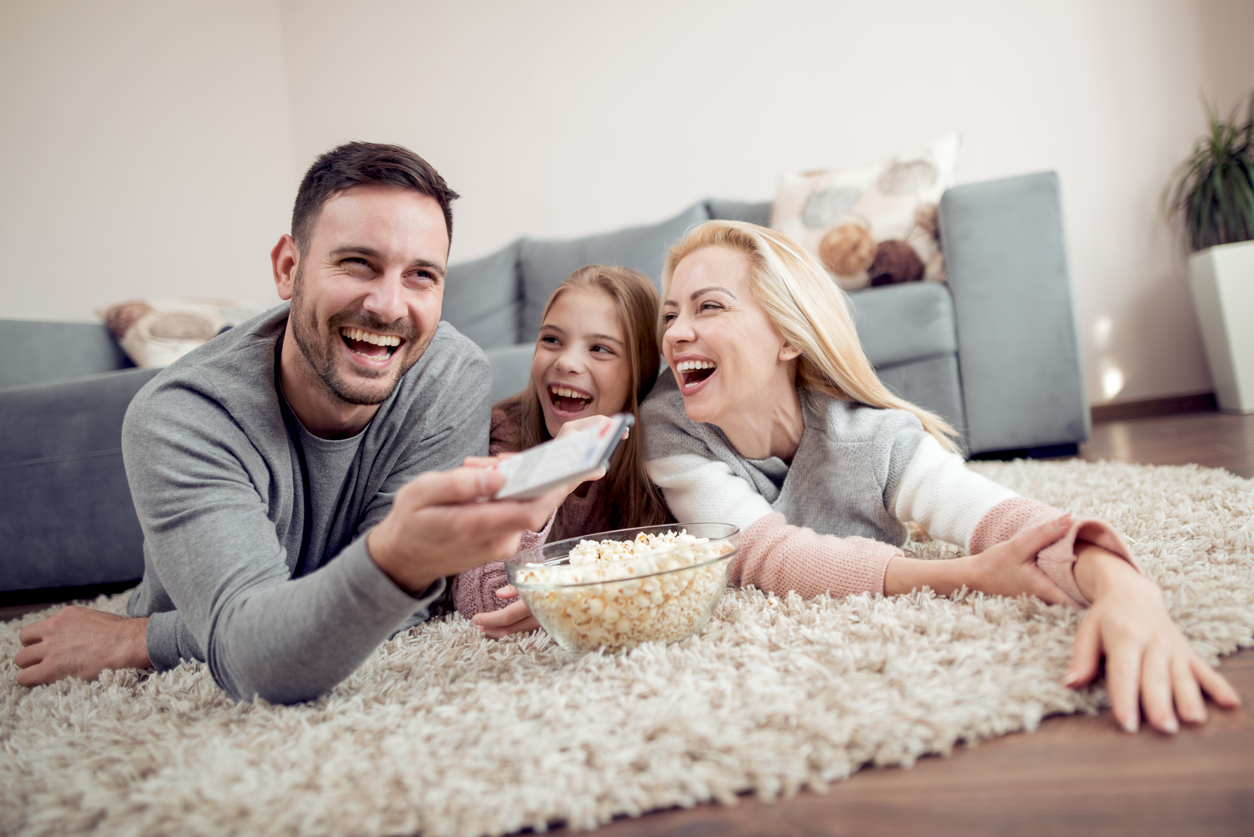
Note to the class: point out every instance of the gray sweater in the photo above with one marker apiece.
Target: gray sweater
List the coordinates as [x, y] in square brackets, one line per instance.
[842, 481]
[255, 555]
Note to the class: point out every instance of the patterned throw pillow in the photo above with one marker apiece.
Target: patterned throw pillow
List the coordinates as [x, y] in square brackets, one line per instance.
[157, 332]
[873, 224]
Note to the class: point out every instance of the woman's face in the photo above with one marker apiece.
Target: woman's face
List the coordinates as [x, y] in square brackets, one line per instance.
[581, 366]
[727, 356]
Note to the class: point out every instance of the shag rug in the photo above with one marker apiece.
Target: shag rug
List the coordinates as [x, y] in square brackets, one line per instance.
[442, 732]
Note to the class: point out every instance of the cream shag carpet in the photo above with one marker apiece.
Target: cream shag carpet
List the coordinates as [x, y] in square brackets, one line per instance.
[442, 732]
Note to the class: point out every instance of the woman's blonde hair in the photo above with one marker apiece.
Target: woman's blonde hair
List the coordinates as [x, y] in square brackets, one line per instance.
[810, 311]
[633, 498]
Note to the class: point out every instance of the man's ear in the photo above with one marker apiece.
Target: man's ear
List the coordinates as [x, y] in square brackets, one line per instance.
[787, 352]
[285, 259]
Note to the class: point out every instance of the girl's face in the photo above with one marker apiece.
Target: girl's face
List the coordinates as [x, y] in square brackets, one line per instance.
[581, 367]
[728, 358]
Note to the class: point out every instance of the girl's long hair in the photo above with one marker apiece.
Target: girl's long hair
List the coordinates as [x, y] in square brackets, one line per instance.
[633, 498]
[810, 311]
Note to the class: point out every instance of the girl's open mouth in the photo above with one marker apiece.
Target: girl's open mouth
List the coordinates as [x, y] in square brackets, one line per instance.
[568, 400]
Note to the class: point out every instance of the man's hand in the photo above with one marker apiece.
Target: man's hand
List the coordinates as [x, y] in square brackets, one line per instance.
[441, 523]
[80, 642]
[514, 618]
[1148, 660]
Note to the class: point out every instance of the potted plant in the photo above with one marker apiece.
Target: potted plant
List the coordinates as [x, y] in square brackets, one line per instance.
[1213, 192]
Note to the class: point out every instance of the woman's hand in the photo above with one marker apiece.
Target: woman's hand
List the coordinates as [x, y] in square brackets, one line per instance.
[1010, 569]
[1146, 655]
[1007, 569]
[511, 619]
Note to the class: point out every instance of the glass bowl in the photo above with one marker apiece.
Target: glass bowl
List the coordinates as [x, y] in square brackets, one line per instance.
[664, 594]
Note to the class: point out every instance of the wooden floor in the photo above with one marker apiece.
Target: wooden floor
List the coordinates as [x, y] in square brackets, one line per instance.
[1075, 774]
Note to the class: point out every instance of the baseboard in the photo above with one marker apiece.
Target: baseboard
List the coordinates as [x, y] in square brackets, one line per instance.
[1203, 402]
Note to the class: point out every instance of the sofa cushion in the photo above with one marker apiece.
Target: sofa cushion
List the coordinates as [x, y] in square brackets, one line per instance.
[35, 351]
[545, 263]
[481, 298]
[903, 323]
[855, 220]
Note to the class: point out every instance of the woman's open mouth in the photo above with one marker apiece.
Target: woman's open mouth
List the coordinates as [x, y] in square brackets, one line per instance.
[377, 348]
[567, 400]
[693, 373]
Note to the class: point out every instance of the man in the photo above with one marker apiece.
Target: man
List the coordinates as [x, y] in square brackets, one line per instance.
[297, 477]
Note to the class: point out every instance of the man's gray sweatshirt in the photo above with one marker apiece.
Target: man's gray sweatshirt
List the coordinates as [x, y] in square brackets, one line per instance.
[255, 555]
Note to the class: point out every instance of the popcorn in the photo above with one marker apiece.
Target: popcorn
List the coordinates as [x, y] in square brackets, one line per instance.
[618, 594]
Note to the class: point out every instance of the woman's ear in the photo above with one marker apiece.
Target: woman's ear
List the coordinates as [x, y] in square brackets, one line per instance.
[787, 352]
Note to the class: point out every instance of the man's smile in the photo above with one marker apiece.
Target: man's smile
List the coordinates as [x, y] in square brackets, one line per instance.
[369, 344]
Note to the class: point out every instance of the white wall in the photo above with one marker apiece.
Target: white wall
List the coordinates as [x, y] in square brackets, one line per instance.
[145, 151]
[562, 118]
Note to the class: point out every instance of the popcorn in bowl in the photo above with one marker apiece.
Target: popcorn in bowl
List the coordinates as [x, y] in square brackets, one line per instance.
[619, 589]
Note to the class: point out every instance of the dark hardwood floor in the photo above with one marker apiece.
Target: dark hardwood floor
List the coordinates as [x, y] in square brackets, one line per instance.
[1075, 774]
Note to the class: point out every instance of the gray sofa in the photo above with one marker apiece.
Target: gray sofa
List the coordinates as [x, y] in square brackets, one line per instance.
[994, 350]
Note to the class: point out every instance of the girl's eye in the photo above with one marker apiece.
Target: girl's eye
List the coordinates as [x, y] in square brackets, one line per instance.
[603, 349]
[548, 340]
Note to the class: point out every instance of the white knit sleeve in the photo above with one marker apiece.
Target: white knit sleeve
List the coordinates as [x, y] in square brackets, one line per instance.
[705, 490]
[939, 493]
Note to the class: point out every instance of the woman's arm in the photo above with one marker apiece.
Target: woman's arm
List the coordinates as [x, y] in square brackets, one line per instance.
[1147, 658]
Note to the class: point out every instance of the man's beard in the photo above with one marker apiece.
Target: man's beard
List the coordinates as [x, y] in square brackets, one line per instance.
[319, 351]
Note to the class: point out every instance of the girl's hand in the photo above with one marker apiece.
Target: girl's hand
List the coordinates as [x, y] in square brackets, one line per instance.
[1146, 655]
[511, 619]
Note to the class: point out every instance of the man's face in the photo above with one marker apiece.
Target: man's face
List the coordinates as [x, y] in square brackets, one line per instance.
[368, 291]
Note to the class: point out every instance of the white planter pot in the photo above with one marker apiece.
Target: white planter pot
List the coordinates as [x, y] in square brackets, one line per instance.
[1222, 279]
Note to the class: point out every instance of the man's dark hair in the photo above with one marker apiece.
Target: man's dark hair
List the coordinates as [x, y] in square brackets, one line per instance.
[356, 163]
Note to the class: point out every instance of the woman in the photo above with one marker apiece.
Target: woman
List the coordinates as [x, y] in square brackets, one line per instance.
[772, 418]
[596, 355]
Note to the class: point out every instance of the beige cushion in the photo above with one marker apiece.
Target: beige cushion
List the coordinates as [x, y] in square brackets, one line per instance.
[157, 332]
[854, 219]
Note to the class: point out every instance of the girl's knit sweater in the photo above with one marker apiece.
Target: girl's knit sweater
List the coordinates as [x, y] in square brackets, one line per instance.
[832, 519]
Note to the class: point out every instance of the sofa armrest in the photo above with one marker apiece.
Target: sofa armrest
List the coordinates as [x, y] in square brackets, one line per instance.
[1018, 347]
[67, 519]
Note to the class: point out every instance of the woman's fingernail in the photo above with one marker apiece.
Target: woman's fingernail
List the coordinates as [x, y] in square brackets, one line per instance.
[1171, 726]
[1064, 521]
[1131, 725]
[1072, 678]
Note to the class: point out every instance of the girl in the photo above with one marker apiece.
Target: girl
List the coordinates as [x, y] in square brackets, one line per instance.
[774, 420]
[596, 355]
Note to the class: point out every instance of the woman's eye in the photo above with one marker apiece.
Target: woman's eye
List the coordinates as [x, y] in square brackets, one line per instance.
[711, 306]
[667, 319]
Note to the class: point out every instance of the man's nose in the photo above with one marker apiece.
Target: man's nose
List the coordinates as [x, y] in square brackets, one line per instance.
[385, 300]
